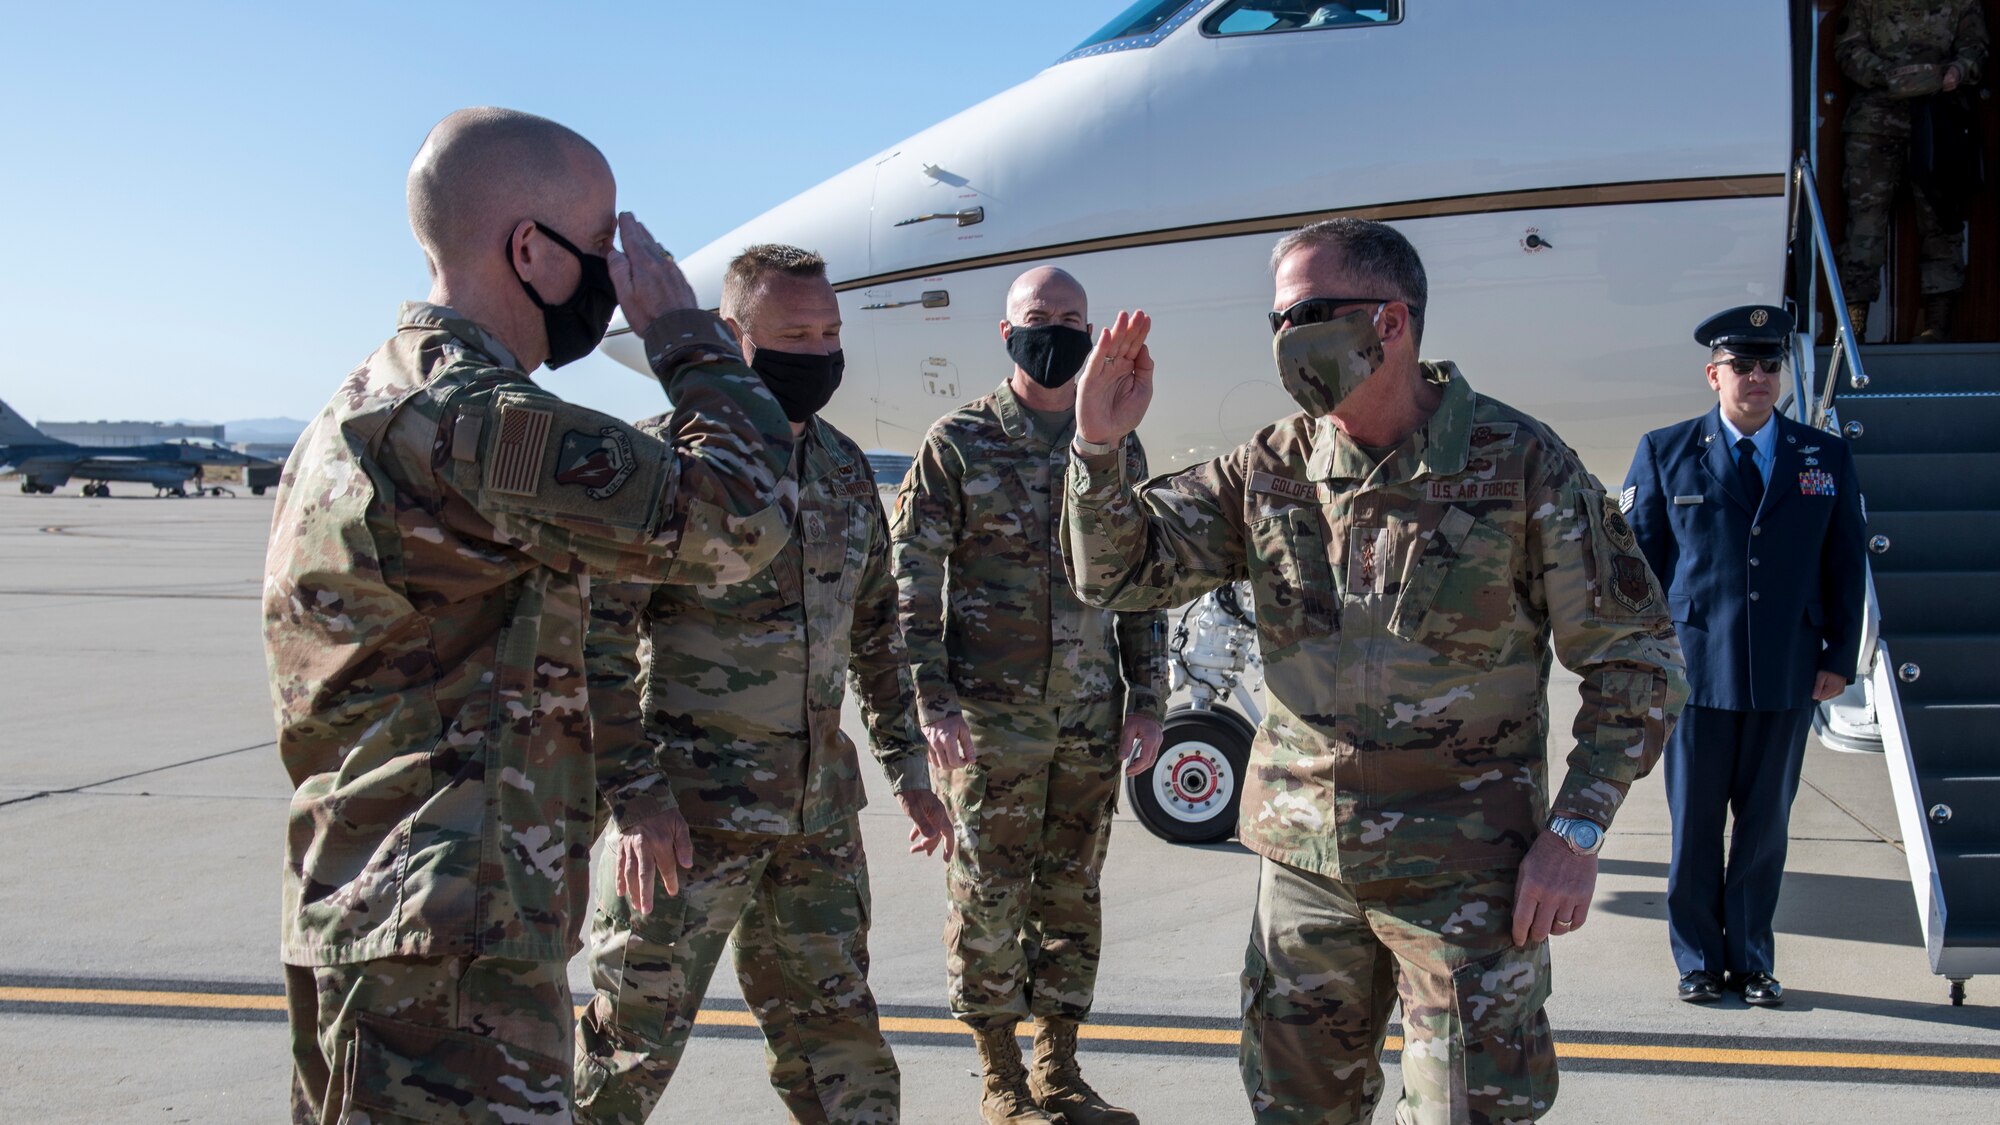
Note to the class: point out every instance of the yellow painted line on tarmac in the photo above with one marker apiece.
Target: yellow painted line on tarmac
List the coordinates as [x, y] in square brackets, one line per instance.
[135, 998]
[1124, 1033]
[1735, 1056]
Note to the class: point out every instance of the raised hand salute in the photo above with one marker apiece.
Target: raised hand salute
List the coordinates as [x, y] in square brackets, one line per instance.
[1116, 385]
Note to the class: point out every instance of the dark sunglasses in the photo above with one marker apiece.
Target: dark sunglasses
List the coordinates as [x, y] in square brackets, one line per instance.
[1317, 310]
[1744, 366]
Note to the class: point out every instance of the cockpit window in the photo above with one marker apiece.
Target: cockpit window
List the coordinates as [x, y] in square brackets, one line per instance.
[1141, 25]
[1255, 17]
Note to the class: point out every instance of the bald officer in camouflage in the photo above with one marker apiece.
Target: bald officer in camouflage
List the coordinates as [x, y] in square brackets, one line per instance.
[1898, 53]
[1418, 551]
[741, 715]
[425, 596]
[1029, 698]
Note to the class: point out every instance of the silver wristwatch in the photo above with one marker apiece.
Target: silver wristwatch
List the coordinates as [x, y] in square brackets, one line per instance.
[1584, 837]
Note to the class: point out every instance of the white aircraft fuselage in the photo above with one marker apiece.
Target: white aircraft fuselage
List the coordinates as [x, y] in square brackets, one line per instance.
[1585, 182]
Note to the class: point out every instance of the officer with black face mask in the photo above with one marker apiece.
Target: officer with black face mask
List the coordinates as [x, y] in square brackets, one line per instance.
[1030, 702]
[742, 690]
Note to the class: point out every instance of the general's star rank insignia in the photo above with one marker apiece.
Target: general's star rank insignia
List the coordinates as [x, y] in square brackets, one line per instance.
[599, 463]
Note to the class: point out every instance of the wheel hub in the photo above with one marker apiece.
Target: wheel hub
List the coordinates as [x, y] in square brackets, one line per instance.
[1193, 781]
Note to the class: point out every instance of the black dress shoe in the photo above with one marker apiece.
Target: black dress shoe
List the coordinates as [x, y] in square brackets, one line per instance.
[1761, 990]
[1699, 986]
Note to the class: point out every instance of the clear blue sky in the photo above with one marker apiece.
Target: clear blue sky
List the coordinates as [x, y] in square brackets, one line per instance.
[204, 202]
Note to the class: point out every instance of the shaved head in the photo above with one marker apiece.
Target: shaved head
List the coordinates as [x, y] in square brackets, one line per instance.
[482, 171]
[1049, 289]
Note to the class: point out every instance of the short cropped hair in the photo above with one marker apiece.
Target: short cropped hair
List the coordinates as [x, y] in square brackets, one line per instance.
[1376, 254]
[482, 170]
[749, 270]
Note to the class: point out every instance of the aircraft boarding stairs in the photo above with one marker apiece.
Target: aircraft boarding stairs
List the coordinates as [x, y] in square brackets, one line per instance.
[1925, 432]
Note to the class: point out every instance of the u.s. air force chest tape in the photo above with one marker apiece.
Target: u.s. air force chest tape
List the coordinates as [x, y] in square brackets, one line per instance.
[540, 455]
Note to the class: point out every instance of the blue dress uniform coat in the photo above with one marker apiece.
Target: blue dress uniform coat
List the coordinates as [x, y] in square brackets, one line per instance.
[1763, 599]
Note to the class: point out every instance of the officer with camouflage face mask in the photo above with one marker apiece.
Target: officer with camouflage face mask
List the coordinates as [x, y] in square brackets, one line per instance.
[1417, 551]
[740, 714]
[1029, 699]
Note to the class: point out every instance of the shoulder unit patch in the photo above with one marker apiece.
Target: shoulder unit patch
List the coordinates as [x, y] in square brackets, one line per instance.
[599, 463]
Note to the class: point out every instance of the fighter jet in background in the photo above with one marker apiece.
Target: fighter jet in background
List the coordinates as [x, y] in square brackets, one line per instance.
[47, 463]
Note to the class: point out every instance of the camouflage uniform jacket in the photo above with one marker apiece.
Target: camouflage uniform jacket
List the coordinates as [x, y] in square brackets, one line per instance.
[1879, 36]
[743, 684]
[984, 498]
[425, 595]
[1405, 614]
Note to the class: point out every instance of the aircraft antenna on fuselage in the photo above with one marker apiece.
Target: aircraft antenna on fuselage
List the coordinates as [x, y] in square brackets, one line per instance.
[16, 430]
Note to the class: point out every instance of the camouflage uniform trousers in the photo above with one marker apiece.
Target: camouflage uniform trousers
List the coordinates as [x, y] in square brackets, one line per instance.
[1328, 959]
[1033, 818]
[799, 908]
[472, 1039]
[1875, 166]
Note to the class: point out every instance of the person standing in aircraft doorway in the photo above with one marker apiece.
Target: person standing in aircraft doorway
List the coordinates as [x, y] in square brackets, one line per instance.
[1029, 700]
[735, 713]
[1754, 522]
[1417, 550]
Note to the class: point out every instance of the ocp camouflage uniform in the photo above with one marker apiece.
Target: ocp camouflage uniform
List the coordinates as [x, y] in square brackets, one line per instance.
[742, 697]
[1406, 613]
[1878, 38]
[424, 605]
[1044, 683]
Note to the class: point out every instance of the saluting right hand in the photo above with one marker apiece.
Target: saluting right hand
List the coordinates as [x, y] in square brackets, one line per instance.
[951, 742]
[1117, 381]
[648, 282]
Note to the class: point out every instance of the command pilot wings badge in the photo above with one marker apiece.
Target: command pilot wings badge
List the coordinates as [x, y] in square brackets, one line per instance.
[598, 463]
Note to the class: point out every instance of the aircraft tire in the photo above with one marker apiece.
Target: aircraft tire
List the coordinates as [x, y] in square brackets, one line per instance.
[1192, 793]
[28, 489]
[257, 491]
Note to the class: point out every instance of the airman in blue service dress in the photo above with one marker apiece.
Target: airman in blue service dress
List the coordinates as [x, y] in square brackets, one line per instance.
[1753, 522]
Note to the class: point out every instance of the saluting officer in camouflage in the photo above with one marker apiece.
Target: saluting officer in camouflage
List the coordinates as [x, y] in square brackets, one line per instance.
[1898, 52]
[1029, 699]
[1416, 550]
[742, 690]
[424, 607]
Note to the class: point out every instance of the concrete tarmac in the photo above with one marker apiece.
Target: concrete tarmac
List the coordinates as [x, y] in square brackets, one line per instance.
[141, 812]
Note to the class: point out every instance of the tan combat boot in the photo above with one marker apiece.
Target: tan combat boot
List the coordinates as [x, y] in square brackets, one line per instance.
[1937, 320]
[1057, 1081]
[1857, 315]
[1004, 1097]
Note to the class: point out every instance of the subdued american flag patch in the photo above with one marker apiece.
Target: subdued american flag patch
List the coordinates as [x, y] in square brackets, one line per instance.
[517, 452]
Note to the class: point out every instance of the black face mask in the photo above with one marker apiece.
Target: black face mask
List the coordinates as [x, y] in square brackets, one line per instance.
[801, 383]
[576, 326]
[1051, 354]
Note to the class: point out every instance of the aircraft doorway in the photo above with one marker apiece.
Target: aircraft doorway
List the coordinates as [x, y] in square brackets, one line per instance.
[1897, 317]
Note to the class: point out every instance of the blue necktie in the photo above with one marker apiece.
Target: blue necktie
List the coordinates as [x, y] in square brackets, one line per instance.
[1746, 472]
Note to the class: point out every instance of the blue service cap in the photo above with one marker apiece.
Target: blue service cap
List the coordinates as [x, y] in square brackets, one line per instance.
[1751, 331]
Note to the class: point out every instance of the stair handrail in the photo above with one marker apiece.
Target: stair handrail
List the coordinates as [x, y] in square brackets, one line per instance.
[1816, 410]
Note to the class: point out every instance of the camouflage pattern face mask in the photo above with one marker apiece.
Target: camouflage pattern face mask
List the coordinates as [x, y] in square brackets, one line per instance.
[1321, 364]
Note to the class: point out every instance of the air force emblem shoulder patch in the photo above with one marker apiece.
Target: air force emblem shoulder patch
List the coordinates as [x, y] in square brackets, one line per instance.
[598, 463]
